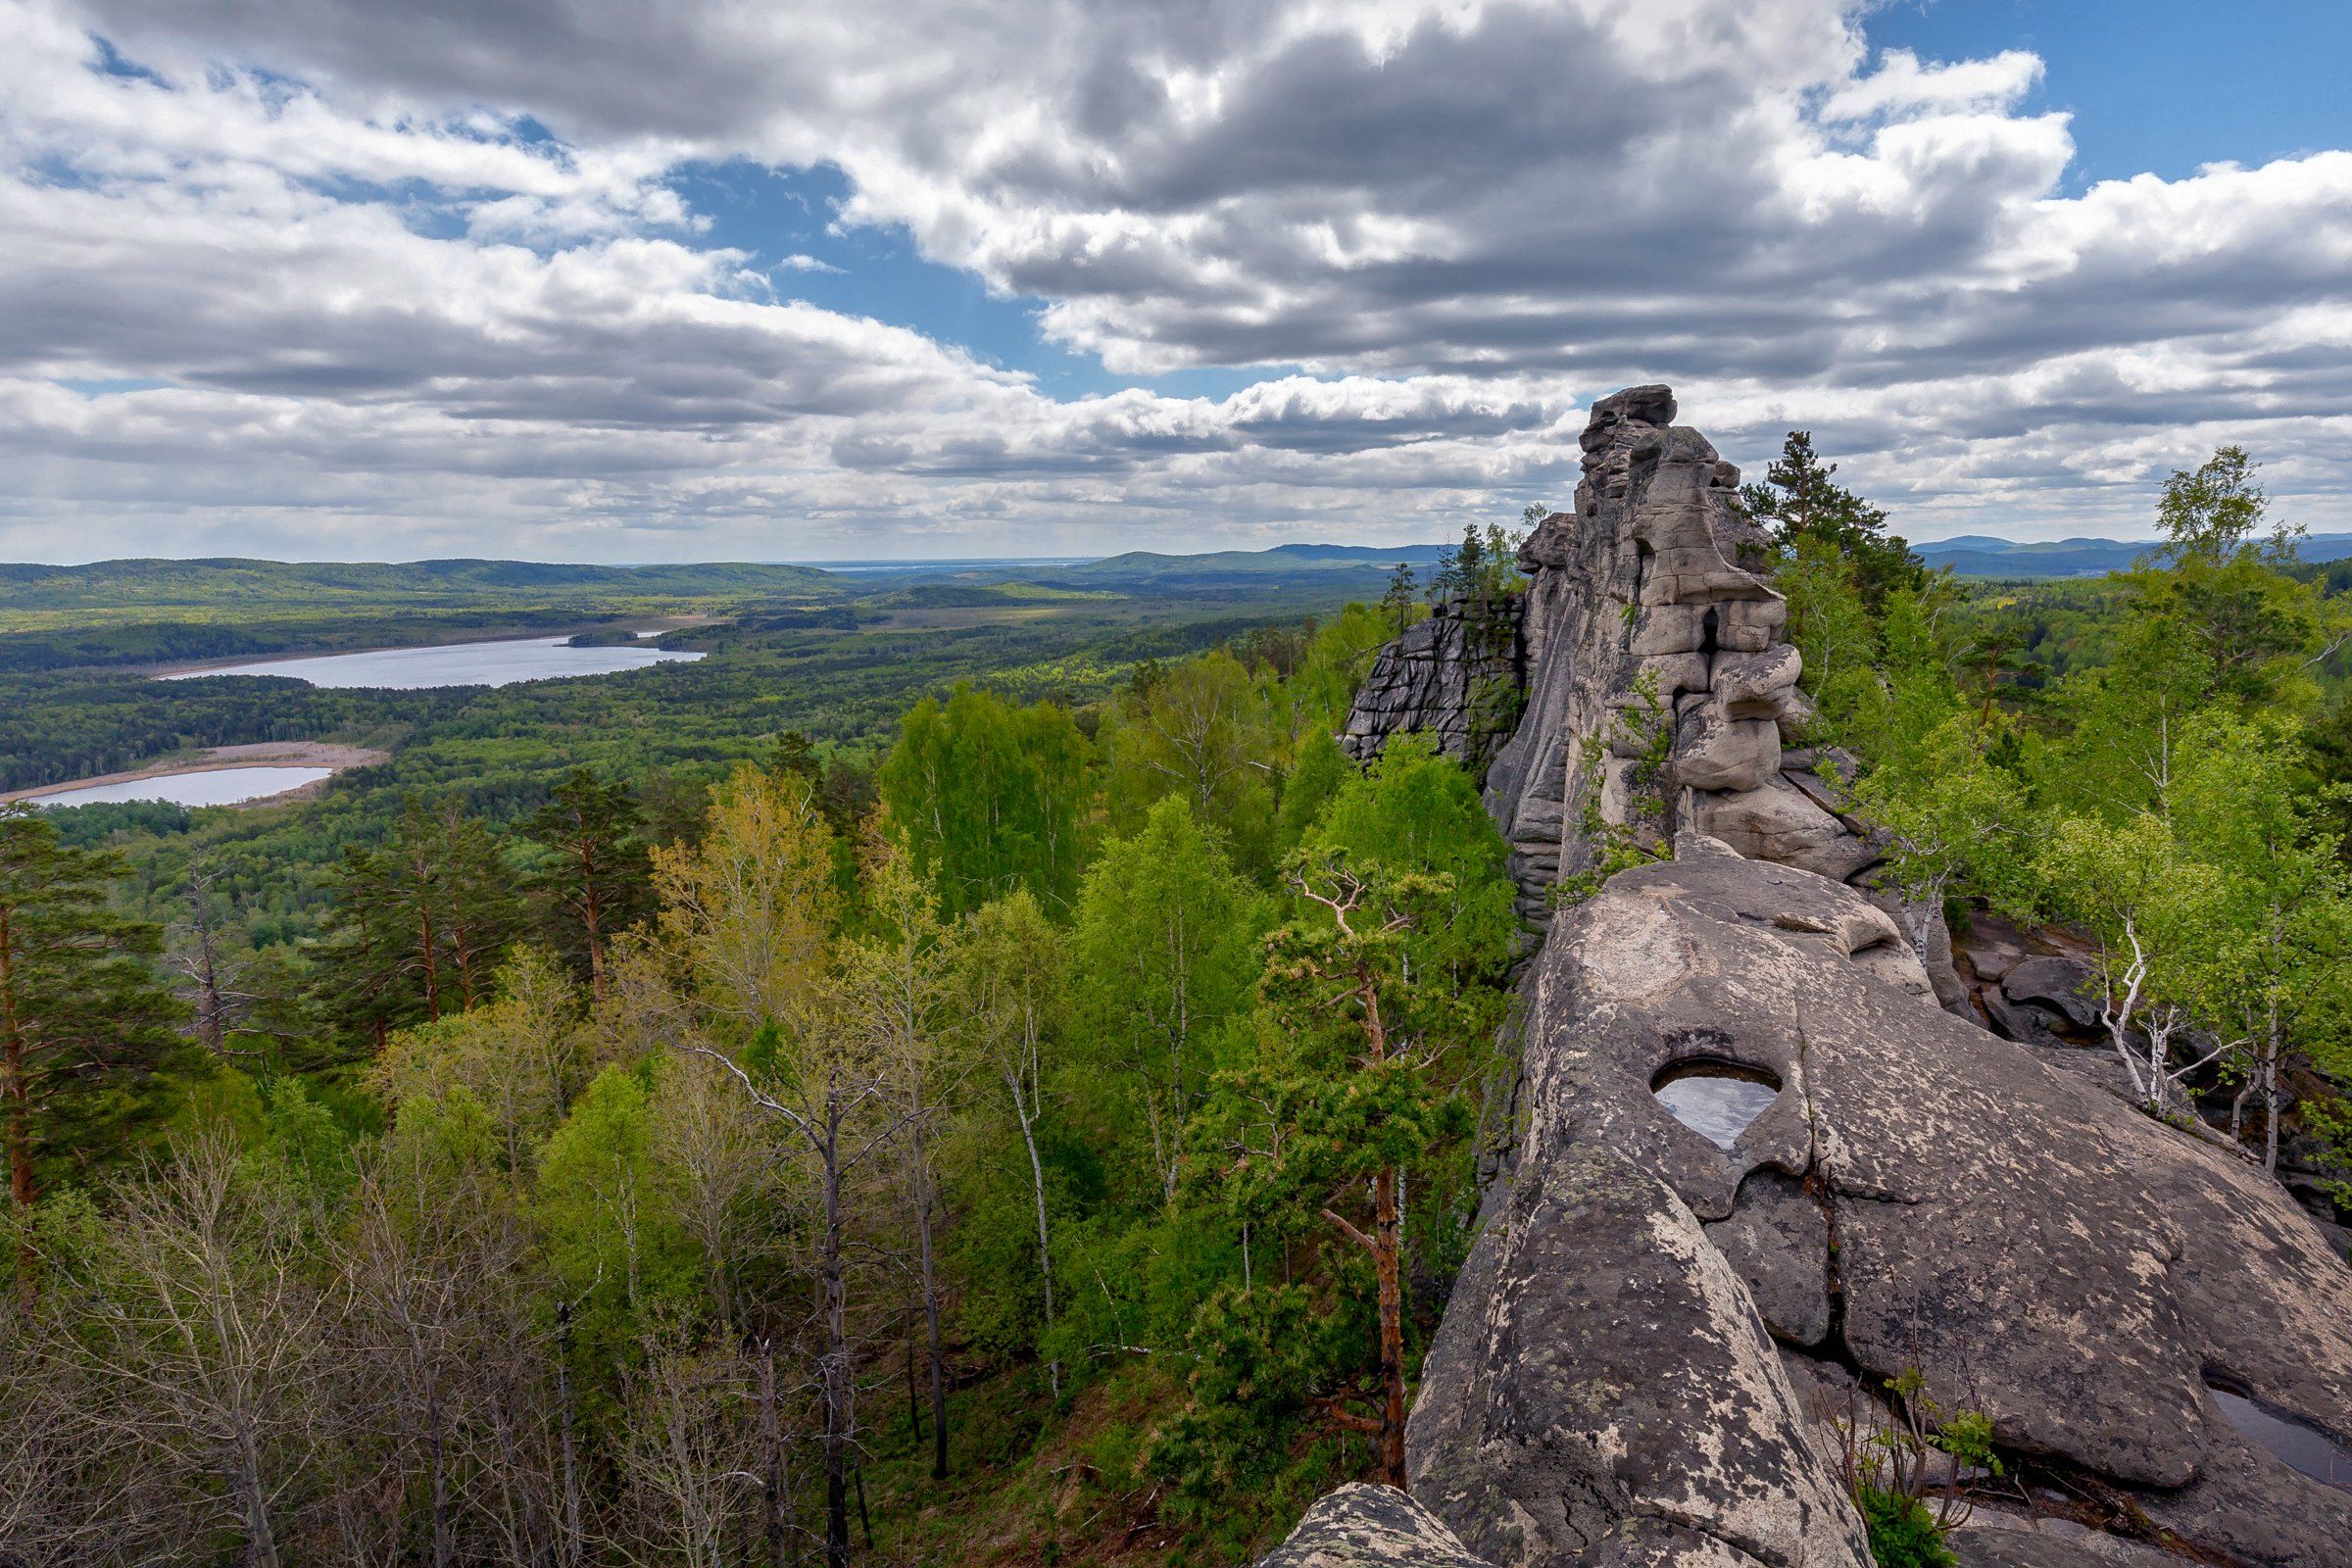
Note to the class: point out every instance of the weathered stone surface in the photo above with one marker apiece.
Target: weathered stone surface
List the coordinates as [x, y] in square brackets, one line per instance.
[1756, 685]
[1433, 679]
[2034, 1246]
[1778, 1240]
[1644, 612]
[1713, 751]
[1614, 1374]
[2059, 984]
[1369, 1527]
[1606, 1388]
[1782, 823]
[1995, 1542]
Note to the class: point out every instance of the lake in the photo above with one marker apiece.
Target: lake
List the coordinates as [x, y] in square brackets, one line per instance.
[503, 663]
[213, 786]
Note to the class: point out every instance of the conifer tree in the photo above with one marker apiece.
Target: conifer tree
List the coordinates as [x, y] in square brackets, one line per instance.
[1344, 1097]
[1800, 500]
[84, 1018]
[601, 879]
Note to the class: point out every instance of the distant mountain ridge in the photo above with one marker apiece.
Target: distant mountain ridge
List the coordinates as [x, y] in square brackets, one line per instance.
[1977, 555]
[151, 582]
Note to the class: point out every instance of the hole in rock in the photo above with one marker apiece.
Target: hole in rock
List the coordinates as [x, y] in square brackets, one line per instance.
[2306, 1448]
[1715, 1099]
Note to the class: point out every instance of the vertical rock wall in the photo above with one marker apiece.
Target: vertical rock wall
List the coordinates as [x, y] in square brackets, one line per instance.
[1458, 677]
[1649, 629]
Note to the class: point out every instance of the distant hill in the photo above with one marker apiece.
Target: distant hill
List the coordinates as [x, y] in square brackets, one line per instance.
[1978, 555]
[120, 585]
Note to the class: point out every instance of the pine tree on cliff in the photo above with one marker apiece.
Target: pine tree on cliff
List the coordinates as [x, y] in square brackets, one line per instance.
[1311, 1141]
[1800, 499]
[84, 1017]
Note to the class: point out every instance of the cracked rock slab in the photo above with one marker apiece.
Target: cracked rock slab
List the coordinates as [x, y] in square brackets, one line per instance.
[2037, 1249]
[1364, 1526]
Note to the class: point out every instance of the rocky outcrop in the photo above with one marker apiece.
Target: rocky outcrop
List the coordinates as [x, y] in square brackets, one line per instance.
[1656, 1324]
[1370, 1526]
[1615, 1370]
[1458, 677]
[1657, 683]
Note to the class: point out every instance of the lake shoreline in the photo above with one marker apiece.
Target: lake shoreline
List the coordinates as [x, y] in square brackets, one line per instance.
[656, 626]
[223, 759]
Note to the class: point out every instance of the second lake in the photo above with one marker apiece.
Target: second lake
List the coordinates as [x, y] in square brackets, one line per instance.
[501, 662]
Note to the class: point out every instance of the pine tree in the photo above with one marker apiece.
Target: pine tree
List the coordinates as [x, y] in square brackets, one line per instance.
[84, 1017]
[420, 925]
[601, 879]
[1398, 603]
[1800, 499]
[1342, 1099]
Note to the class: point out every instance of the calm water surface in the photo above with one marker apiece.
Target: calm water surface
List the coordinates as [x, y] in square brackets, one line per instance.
[214, 786]
[503, 663]
[1719, 1110]
[2314, 1452]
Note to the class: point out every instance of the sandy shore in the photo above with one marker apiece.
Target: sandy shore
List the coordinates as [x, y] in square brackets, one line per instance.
[288, 754]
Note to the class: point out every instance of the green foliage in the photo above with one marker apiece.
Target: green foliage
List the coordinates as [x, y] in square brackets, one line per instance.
[2209, 513]
[616, 1246]
[1905, 1466]
[1903, 1530]
[86, 1024]
[987, 795]
[1801, 501]
[1641, 732]
[1259, 1356]
[1164, 952]
[1416, 810]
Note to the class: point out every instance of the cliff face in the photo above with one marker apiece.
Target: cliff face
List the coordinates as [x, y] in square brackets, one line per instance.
[1640, 1360]
[1460, 676]
[1654, 677]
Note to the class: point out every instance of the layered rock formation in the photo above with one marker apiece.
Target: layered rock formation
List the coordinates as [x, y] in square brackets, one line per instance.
[1641, 1359]
[1459, 676]
[1649, 629]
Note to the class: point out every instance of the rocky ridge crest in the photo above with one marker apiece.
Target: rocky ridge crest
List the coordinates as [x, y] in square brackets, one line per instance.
[1639, 1359]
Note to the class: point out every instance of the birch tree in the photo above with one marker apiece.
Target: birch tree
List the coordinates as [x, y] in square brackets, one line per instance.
[1013, 975]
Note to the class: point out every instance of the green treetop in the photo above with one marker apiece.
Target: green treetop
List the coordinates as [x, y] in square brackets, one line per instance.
[1800, 500]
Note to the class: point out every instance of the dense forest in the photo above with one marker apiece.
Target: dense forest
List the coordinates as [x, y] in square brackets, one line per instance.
[972, 1090]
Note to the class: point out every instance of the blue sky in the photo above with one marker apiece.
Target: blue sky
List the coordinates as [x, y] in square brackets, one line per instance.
[566, 280]
[2159, 86]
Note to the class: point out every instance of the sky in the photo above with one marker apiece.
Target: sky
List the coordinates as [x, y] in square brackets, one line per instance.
[604, 280]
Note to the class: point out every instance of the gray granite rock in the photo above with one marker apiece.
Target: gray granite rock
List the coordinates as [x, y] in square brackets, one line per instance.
[1454, 676]
[1609, 1392]
[2061, 985]
[2032, 1245]
[1645, 612]
[1369, 1527]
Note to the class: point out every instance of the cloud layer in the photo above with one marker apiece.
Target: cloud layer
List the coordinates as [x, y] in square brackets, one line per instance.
[324, 278]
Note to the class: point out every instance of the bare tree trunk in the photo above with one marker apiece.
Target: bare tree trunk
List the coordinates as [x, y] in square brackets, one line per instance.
[834, 1303]
[930, 1279]
[1044, 1248]
[261, 1539]
[569, 1549]
[915, 1402]
[1386, 1250]
[772, 1521]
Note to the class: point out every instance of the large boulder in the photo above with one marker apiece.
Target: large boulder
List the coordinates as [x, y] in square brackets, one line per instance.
[2032, 1246]
[1369, 1527]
